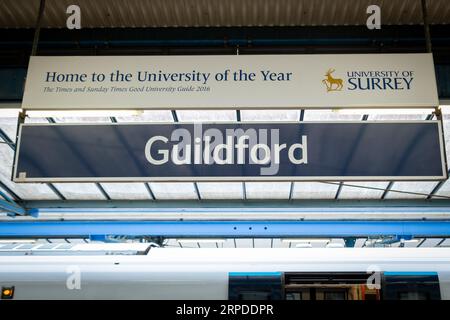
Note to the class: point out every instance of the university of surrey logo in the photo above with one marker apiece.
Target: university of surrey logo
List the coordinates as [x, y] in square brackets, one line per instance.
[332, 84]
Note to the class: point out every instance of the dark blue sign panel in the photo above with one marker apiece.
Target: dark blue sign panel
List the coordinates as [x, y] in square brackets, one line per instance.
[231, 152]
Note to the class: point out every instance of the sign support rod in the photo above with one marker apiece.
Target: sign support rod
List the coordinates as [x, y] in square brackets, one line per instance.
[426, 25]
[38, 27]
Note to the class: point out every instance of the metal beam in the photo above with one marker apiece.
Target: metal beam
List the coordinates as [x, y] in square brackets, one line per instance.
[11, 208]
[241, 210]
[9, 191]
[225, 229]
[406, 204]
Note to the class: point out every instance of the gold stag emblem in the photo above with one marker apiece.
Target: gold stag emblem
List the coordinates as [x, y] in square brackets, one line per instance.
[330, 81]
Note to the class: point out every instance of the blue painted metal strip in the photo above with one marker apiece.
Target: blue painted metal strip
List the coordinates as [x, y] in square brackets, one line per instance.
[231, 229]
[11, 208]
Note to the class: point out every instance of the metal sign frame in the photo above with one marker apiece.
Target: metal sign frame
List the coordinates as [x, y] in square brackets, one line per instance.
[444, 175]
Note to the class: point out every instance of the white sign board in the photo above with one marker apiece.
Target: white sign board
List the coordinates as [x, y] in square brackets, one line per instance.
[231, 82]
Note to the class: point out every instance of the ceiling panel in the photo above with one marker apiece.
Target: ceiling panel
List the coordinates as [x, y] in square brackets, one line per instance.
[195, 13]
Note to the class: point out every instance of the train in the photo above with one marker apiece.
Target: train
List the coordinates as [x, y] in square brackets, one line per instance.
[145, 271]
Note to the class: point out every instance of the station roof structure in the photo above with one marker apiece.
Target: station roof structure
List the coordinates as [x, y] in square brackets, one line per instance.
[217, 13]
[113, 24]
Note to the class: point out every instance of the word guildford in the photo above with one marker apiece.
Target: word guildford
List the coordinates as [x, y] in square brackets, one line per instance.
[237, 147]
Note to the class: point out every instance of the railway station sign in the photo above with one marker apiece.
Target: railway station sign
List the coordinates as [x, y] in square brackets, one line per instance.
[231, 82]
[327, 151]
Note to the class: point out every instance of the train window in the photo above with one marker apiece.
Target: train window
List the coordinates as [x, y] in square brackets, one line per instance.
[294, 296]
[254, 295]
[413, 295]
[335, 295]
[255, 286]
[411, 286]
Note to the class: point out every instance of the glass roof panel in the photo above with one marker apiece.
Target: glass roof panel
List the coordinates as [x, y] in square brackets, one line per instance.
[229, 243]
[268, 190]
[244, 243]
[416, 189]
[147, 116]
[262, 243]
[26, 191]
[220, 190]
[173, 190]
[80, 191]
[447, 135]
[9, 126]
[314, 190]
[270, 115]
[396, 117]
[278, 243]
[206, 115]
[444, 190]
[356, 190]
[330, 115]
[431, 242]
[127, 191]
[82, 119]
[36, 120]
